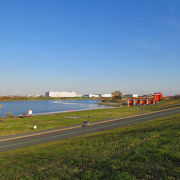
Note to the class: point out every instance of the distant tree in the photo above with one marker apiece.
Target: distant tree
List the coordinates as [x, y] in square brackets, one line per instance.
[177, 96]
[117, 96]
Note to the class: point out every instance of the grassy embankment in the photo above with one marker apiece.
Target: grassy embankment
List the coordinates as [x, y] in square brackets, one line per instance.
[21, 125]
[148, 150]
[162, 105]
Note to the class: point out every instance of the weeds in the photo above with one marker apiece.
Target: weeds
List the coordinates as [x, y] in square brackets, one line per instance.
[9, 115]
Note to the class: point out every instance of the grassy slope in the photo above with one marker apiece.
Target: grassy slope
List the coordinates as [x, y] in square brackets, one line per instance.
[148, 150]
[160, 105]
[21, 125]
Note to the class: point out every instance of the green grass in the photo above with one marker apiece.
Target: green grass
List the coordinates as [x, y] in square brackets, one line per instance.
[21, 125]
[161, 105]
[148, 150]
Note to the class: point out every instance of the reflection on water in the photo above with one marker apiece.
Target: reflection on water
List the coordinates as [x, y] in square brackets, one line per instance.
[19, 107]
[61, 102]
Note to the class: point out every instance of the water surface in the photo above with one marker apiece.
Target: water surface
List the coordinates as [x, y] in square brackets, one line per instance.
[41, 107]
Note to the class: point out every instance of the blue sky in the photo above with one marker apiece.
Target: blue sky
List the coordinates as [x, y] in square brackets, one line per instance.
[95, 46]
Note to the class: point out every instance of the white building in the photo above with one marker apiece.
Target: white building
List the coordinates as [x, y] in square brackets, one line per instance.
[91, 95]
[60, 94]
[131, 95]
[79, 95]
[107, 95]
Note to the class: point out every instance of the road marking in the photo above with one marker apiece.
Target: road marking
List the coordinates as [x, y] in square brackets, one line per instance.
[60, 135]
[92, 123]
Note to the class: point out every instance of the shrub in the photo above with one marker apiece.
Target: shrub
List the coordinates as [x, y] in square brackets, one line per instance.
[9, 115]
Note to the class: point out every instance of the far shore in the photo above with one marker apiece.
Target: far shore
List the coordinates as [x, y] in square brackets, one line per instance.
[6, 99]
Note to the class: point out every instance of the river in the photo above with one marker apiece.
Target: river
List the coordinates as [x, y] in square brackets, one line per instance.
[42, 107]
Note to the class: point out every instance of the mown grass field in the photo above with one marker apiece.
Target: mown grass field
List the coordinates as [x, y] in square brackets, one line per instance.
[21, 125]
[149, 150]
[161, 105]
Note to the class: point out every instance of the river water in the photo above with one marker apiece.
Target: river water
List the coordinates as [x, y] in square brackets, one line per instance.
[42, 107]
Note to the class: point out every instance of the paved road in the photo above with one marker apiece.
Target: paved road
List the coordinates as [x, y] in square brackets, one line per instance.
[28, 139]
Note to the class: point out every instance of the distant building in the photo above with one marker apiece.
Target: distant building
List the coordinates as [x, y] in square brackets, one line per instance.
[91, 95]
[107, 95]
[60, 94]
[79, 95]
[131, 95]
[147, 95]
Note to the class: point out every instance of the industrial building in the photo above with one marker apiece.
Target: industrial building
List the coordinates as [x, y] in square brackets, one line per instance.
[91, 95]
[131, 95]
[107, 95]
[60, 94]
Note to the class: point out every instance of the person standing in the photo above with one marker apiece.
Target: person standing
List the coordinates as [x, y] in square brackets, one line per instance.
[85, 123]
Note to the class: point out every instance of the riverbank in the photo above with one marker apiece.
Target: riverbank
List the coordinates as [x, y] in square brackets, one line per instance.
[68, 111]
[148, 150]
[21, 125]
[25, 98]
[161, 105]
[109, 104]
[14, 125]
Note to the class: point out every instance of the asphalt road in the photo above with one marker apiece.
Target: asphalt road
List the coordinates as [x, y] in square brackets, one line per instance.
[40, 137]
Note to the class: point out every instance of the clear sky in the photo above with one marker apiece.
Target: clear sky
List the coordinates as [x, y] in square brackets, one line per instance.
[89, 46]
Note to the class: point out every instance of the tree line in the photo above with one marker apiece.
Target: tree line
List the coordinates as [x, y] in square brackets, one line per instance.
[7, 98]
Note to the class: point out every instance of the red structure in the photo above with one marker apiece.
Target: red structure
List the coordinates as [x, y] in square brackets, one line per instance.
[157, 96]
[150, 101]
[130, 102]
[137, 101]
[144, 100]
